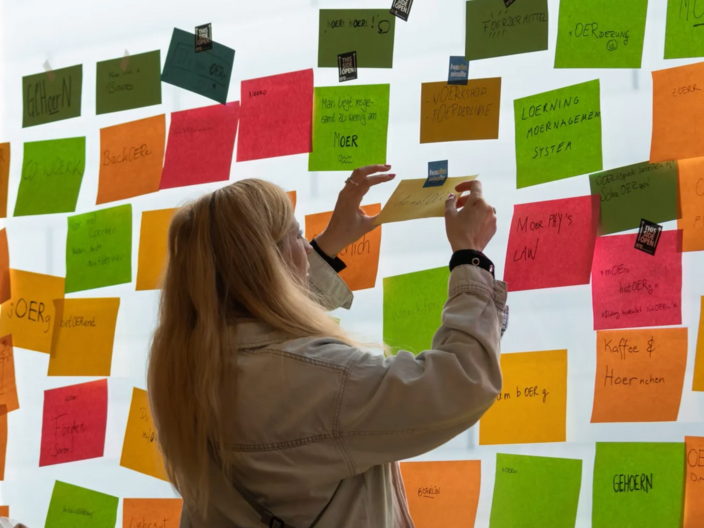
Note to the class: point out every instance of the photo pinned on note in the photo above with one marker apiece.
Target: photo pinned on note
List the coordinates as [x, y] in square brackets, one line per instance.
[347, 66]
[458, 72]
[437, 174]
[691, 203]
[49, 98]
[648, 236]
[140, 451]
[77, 507]
[204, 37]
[8, 384]
[151, 513]
[153, 248]
[4, 177]
[74, 423]
[639, 375]
[401, 9]
[128, 82]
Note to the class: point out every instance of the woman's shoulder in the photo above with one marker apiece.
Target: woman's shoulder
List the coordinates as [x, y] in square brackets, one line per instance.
[327, 352]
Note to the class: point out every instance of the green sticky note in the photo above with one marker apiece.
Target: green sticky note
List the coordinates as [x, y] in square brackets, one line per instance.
[369, 32]
[76, 507]
[350, 124]
[684, 32]
[128, 82]
[628, 194]
[600, 34]
[558, 134]
[638, 484]
[413, 308]
[52, 172]
[99, 249]
[532, 491]
[206, 72]
[51, 96]
[492, 30]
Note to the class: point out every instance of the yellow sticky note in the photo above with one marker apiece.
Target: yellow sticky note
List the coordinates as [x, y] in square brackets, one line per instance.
[29, 314]
[153, 248]
[84, 332]
[698, 382]
[139, 450]
[151, 513]
[532, 406]
[411, 200]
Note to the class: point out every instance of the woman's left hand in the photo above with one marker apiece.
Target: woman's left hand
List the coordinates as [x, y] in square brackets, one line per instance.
[349, 222]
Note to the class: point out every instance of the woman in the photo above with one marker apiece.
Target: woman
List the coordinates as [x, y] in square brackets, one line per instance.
[267, 413]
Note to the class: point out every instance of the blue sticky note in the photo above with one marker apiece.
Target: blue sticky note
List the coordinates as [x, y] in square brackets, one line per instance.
[459, 71]
[437, 174]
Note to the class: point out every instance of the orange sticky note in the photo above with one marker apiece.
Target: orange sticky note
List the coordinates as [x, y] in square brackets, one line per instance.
[292, 196]
[153, 248]
[29, 314]
[8, 385]
[84, 332]
[139, 450]
[694, 483]
[678, 111]
[456, 113]
[4, 511]
[698, 381]
[3, 440]
[690, 192]
[5, 290]
[639, 374]
[151, 513]
[131, 158]
[4, 177]
[532, 406]
[442, 494]
[361, 257]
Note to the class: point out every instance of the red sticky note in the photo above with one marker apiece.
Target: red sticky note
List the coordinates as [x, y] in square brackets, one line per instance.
[73, 427]
[277, 116]
[631, 288]
[551, 243]
[200, 145]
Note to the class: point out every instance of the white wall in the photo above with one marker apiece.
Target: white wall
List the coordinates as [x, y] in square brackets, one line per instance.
[277, 36]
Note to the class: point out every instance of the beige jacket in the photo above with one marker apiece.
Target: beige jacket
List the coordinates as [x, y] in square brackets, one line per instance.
[319, 425]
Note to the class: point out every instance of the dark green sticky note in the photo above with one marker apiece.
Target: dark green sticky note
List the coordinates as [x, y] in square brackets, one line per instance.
[492, 30]
[52, 172]
[684, 32]
[128, 82]
[76, 507]
[369, 32]
[600, 34]
[638, 484]
[52, 96]
[627, 194]
[533, 491]
[99, 249]
[558, 134]
[350, 125]
[413, 308]
[206, 73]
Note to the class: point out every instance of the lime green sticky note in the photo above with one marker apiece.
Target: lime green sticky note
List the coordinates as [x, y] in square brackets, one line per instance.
[99, 249]
[350, 124]
[558, 134]
[128, 82]
[628, 194]
[369, 32]
[684, 31]
[638, 484]
[532, 491]
[52, 96]
[52, 172]
[76, 507]
[600, 34]
[494, 31]
[413, 308]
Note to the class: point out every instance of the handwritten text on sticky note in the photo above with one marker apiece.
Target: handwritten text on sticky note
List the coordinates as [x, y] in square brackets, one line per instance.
[140, 451]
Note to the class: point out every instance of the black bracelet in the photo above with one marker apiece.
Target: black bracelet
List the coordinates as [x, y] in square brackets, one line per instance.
[473, 258]
[334, 263]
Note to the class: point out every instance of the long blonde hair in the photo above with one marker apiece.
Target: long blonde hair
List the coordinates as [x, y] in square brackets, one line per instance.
[227, 261]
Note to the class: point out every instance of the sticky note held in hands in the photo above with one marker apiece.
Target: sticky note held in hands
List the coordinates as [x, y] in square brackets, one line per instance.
[128, 82]
[153, 248]
[453, 487]
[639, 375]
[140, 451]
[76, 507]
[551, 243]
[691, 202]
[411, 200]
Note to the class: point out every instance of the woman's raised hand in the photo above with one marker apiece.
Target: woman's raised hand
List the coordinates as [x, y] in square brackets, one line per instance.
[349, 222]
[470, 222]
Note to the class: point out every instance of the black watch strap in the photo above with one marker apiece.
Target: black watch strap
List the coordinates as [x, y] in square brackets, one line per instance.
[335, 263]
[473, 258]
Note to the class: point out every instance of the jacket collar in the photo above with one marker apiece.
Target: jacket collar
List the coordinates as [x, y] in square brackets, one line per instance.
[253, 333]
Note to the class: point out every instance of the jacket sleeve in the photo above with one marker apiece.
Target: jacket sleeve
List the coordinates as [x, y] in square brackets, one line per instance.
[330, 290]
[400, 407]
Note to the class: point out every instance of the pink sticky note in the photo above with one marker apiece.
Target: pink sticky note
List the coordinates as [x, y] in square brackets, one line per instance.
[631, 288]
[551, 243]
[73, 427]
[277, 116]
[200, 145]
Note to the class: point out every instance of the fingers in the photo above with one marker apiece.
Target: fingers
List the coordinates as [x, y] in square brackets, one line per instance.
[378, 178]
[473, 186]
[450, 205]
[363, 172]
